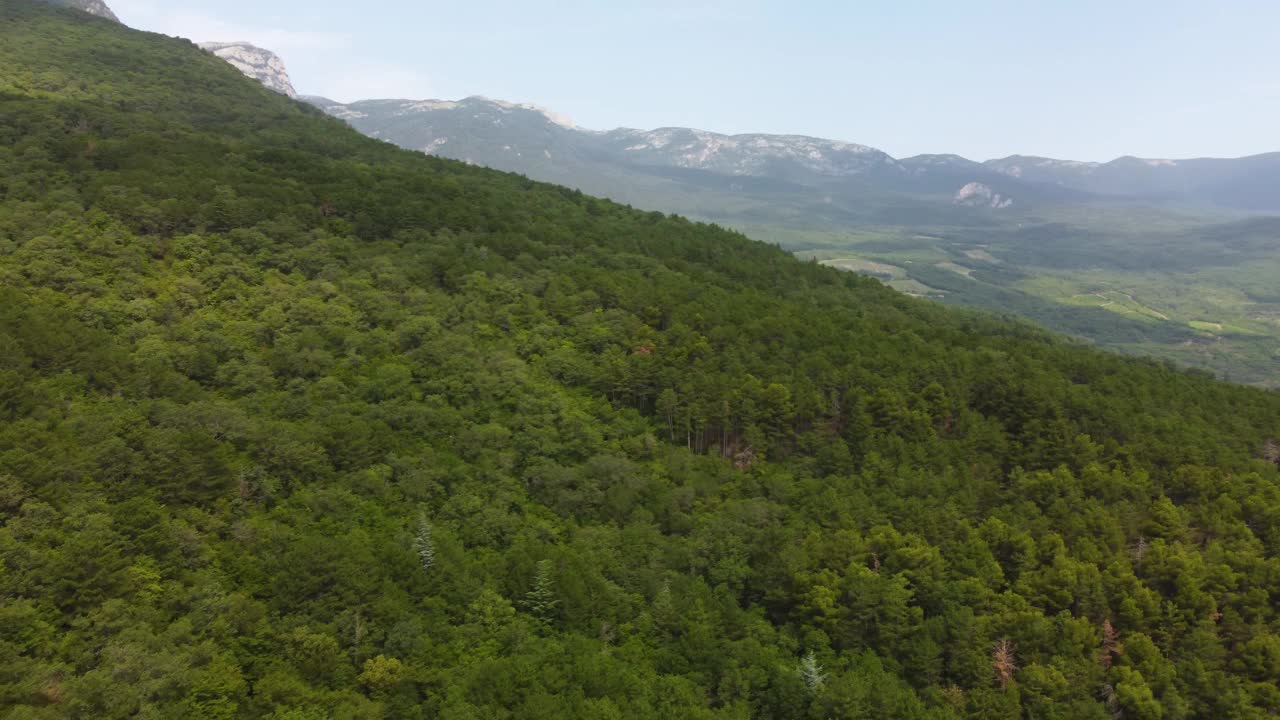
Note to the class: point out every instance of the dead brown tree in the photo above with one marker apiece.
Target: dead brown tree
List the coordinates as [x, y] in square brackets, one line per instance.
[1271, 451]
[1003, 662]
[1110, 644]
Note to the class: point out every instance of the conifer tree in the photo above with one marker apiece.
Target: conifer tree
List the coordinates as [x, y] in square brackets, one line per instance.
[541, 599]
[811, 671]
[423, 545]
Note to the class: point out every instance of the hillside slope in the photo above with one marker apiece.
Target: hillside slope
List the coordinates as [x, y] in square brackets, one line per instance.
[1247, 183]
[295, 424]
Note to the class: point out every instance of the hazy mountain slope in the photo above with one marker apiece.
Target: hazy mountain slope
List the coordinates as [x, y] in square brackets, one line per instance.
[543, 145]
[785, 157]
[475, 130]
[781, 181]
[510, 137]
[295, 424]
[1249, 183]
[741, 181]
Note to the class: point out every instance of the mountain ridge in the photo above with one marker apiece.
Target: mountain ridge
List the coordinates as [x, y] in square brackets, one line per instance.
[625, 163]
[1238, 183]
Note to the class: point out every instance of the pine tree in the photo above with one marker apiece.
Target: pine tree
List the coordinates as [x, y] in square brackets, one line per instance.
[423, 544]
[812, 672]
[664, 608]
[541, 599]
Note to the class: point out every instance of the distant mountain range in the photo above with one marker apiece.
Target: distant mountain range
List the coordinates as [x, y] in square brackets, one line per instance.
[1248, 183]
[849, 182]
[537, 142]
[540, 143]
[790, 174]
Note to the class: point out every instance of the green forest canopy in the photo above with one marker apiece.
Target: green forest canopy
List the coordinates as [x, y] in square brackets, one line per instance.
[294, 424]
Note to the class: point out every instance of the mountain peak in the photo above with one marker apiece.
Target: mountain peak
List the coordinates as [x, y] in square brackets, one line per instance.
[1148, 162]
[559, 119]
[258, 63]
[934, 162]
[938, 159]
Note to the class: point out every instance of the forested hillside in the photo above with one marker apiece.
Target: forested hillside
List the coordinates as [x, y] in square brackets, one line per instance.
[295, 424]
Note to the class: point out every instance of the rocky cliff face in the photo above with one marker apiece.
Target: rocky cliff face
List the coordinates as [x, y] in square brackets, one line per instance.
[262, 65]
[975, 194]
[93, 7]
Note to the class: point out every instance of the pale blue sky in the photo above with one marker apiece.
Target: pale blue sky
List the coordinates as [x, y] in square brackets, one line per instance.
[1078, 79]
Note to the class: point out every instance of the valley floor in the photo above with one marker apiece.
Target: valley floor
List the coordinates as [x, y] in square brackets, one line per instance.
[1223, 318]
